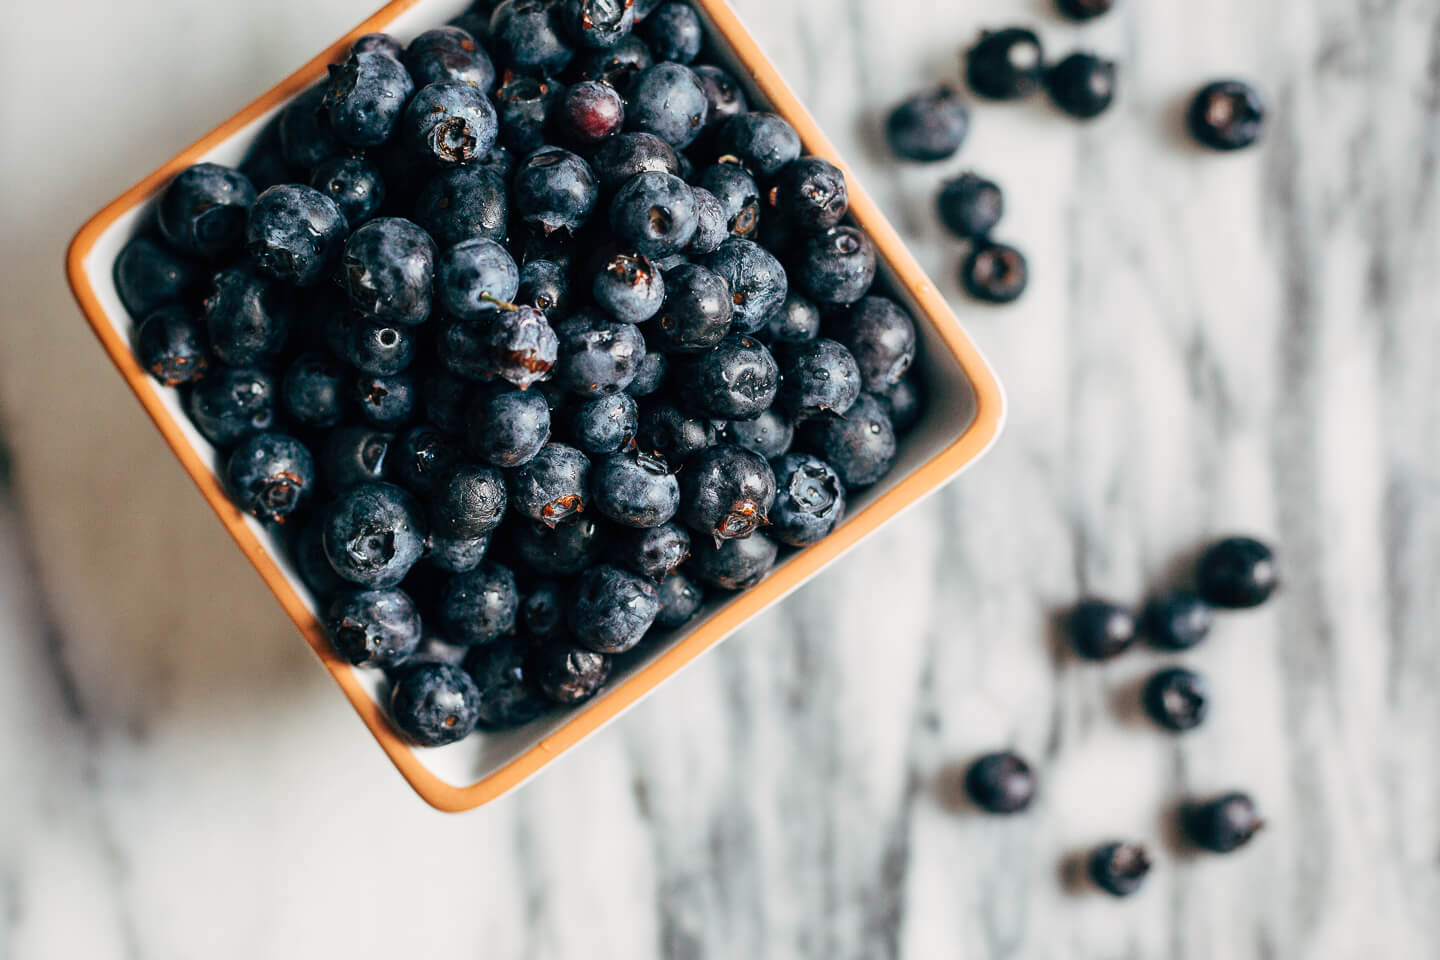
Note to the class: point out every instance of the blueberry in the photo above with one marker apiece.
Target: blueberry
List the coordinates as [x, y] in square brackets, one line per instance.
[456, 555]
[303, 127]
[472, 275]
[630, 287]
[507, 428]
[1006, 64]
[655, 552]
[450, 123]
[711, 225]
[654, 214]
[464, 203]
[818, 377]
[697, 311]
[376, 348]
[860, 446]
[598, 355]
[674, 32]
[809, 500]
[468, 501]
[294, 233]
[388, 270]
[312, 390]
[555, 190]
[904, 403]
[1237, 573]
[385, 402]
[738, 194]
[724, 94]
[796, 321]
[1176, 620]
[680, 600]
[1227, 115]
[1224, 824]
[354, 455]
[373, 628]
[590, 111]
[770, 434]
[811, 193]
[373, 534]
[551, 485]
[202, 211]
[480, 606]
[995, 273]
[524, 105]
[567, 674]
[735, 564]
[669, 101]
[881, 336]
[353, 183]
[1176, 698]
[247, 317]
[231, 403]
[446, 400]
[1084, 9]
[509, 697]
[612, 609]
[1082, 85]
[617, 65]
[378, 43]
[606, 424]
[270, 475]
[628, 155]
[148, 275]
[727, 492]
[448, 54]
[758, 284]
[737, 380]
[970, 206]
[545, 286]
[523, 37]
[928, 126]
[1118, 868]
[762, 142]
[635, 489]
[597, 24]
[1100, 630]
[560, 551]
[169, 346]
[308, 552]
[366, 97]
[643, 9]
[667, 432]
[1000, 783]
[523, 345]
[435, 703]
[542, 611]
[835, 267]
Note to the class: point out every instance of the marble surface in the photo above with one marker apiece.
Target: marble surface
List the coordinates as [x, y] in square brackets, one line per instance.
[1210, 344]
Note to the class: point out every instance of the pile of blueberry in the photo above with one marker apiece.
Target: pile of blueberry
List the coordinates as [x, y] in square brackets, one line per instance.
[1009, 65]
[1236, 573]
[525, 334]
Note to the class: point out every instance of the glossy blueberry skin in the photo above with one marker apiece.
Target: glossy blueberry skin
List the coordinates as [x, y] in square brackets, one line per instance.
[542, 611]
[970, 206]
[552, 486]
[373, 534]
[304, 133]
[524, 105]
[270, 475]
[606, 424]
[247, 317]
[555, 190]
[1006, 64]
[312, 392]
[202, 211]
[612, 609]
[598, 355]
[366, 96]
[654, 214]
[630, 286]
[294, 233]
[230, 403]
[724, 94]
[545, 285]
[433, 704]
[507, 428]
[388, 270]
[1084, 9]
[468, 501]
[811, 193]
[1224, 824]
[377, 349]
[385, 402]
[373, 628]
[928, 126]
[1082, 85]
[835, 267]
[561, 551]
[726, 492]
[169, 346]
[738, 194]
[674, 32]
[353, 455]
[809, 500]
[1176, 620]
[819, 377]
[734, 564]
[667, 432]
[472, 275]
[904, 403]
[669, 101]
[1100, 630]
[590, 111]
[523, 346]
[697, 311]
[307, 549]
[995, 273]
[635, 489]
[680, 600]
[1177, 699]
[567, 674]
[1226, 115]
[1237, 573]
[457, 555]
[711, 225]
[480, 606]
[624, 157]
[1118, 868]
[464, 203]
[769, 434]
[1000, 783]
[654, 552]
[762, 142]
[422, 457]
[523, 36]
[738, 380]
[448, 54]
[353, 183]
[509, 697]
[758, 284]
[881, 336]
[861, 446]
[796, 321]
[450, 123]
[148, 275]
[595, 24]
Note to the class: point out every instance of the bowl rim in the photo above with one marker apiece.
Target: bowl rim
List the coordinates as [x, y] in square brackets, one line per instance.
[975, 439]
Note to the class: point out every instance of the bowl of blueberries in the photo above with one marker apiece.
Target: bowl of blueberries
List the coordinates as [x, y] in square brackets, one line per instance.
[527, 349]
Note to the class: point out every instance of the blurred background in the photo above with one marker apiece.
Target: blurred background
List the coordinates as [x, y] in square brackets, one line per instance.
[1210, 344]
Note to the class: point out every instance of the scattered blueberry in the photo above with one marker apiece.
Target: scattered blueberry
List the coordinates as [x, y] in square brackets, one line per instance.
[435, 703]
[1176, 698]
[1118, 868]
[1224, 824]
[1100, 629]
[1176, 620]
[1237, 573]
[1227, 115]
[928, 126]
[970, 206]
[995, 273]
[1006, 64]
[1084, 9]
[1001, 783]
[1083, 85]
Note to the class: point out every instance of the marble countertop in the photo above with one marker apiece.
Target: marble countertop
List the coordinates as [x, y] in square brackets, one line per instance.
[1210, 344]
